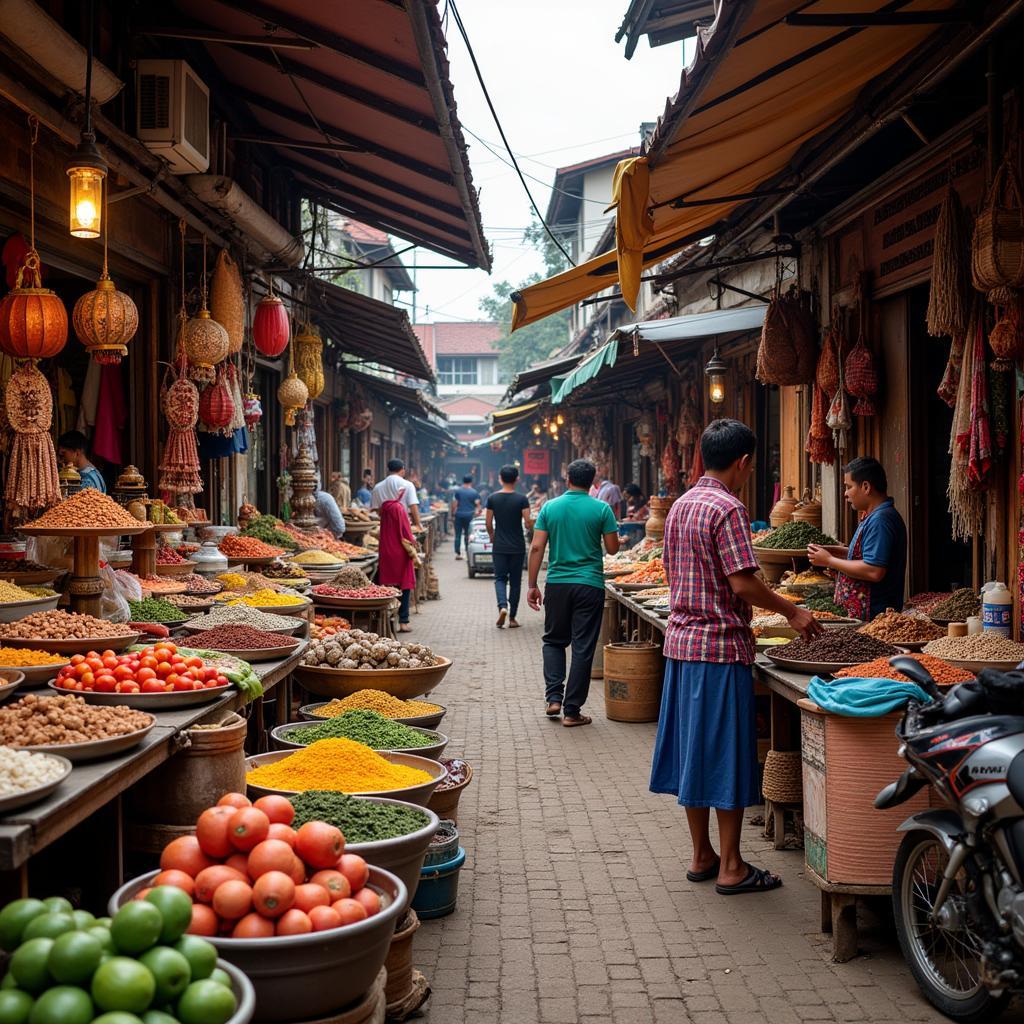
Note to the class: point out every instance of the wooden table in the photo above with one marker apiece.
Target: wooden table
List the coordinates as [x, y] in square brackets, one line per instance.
[93, 784]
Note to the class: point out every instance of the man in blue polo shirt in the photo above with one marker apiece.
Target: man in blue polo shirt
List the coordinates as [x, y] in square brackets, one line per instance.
[871, 577]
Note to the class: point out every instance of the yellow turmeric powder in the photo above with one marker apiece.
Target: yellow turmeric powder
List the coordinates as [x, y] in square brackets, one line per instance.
[377, 700]
[336, 764]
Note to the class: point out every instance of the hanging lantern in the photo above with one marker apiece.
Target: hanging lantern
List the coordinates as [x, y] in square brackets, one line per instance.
[105, 321]
[715, 372]
[270, 330]
[33, 320]
[206, 344]
[293, 395]
[227, 300]
[309, 362]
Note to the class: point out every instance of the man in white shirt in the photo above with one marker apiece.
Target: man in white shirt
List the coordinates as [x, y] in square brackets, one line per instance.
[409, 498]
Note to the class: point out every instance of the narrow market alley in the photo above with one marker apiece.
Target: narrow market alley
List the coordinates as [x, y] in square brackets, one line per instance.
[573, 905]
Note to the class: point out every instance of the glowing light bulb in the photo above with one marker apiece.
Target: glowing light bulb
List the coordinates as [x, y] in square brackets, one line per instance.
[85, 213]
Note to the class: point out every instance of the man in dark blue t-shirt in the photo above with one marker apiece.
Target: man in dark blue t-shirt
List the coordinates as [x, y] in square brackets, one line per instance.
[465, 503]
[871, 577]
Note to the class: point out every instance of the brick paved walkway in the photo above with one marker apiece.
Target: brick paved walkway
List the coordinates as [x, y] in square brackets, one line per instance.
[573, 905]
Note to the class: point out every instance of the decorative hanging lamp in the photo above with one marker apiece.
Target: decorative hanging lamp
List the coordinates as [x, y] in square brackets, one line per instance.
[33, 320]
[86, 168]
[309, 362]
[270, 330]
[205, 341]
[105, 319]
[715, 372]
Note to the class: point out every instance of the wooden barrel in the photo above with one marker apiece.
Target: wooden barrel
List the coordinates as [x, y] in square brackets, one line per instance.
[633, 674]
[194, 778]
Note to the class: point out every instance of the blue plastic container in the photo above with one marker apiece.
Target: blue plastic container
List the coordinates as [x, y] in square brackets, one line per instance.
[438, 890]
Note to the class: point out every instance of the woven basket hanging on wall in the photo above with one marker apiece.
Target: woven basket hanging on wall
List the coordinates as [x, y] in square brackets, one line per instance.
[227, 300]
[997, 248]
[309, 363]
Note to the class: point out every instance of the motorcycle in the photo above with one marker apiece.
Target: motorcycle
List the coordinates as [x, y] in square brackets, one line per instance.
[958, 879]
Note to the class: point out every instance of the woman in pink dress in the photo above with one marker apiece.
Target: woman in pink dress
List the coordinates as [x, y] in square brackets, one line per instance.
[395, 568]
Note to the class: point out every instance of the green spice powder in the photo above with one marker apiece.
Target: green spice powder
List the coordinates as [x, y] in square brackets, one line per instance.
[363, 726]
[360, 821]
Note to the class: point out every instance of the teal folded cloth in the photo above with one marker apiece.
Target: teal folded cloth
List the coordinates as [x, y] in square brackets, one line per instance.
[865, 698]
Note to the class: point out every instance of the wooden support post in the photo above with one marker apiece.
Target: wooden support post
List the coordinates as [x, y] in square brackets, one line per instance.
[844, 926]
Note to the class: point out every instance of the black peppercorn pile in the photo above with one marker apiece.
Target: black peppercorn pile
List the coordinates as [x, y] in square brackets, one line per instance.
[837, 645]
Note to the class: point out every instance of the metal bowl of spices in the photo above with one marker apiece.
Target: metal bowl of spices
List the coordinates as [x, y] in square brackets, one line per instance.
[308, 713]
[433, 750]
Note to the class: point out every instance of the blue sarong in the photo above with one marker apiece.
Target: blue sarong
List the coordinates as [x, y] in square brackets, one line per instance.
[705, 752]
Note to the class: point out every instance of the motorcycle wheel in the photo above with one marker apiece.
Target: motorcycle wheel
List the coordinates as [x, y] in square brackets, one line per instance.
[944, 958]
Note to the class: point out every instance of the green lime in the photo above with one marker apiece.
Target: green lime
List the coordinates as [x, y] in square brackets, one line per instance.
[48, 926]
[221, 977]
[28, 965]
[156, 1017]
[136, 927]
[58, 905]
[75, 957]
[64, 1004]
[171, 970]
[123, 984]
[176, 907]
[13, 919]
[83, 919]
[15, 1006]
[102, 936]
[117, 1017]
[200, 954]
[8, 982]
[103, 922]
[206, 1002]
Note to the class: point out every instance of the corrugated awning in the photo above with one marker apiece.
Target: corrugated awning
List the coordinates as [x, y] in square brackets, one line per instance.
[406, 400]
[355, 105]
[541, 373]
[368, 328]
[587, 370]
[758, 91]
[482, 442]
[696, 325]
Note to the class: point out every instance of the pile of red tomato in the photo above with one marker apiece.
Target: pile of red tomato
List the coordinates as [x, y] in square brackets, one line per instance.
[252, 876]
[160, 668]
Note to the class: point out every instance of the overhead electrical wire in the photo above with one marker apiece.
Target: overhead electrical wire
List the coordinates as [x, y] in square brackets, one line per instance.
[501, 131]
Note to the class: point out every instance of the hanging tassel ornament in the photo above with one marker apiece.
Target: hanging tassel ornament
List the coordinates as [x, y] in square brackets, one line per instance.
[309, 361]
[32, 482]
[179, 468]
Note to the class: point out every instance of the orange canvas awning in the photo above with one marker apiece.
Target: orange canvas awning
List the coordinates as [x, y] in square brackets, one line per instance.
[757, 91]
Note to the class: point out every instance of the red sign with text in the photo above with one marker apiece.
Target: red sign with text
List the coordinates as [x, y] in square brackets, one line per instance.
[537, 461]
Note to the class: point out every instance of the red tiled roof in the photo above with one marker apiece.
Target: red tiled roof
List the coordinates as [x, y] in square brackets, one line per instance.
[365, 233]
[459, 339]
[468, 405]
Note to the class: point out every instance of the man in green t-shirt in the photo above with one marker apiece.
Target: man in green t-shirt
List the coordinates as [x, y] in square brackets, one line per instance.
[575, 525]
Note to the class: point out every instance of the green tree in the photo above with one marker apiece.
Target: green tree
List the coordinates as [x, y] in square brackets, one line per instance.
[540, 340]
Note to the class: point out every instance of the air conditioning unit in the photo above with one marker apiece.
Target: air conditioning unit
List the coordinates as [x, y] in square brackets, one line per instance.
[173, 114]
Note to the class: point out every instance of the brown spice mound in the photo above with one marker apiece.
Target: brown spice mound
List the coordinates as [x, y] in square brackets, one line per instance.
[88, 507]
[61, 625]
[34, 721]
[837, 646]
[892, 627]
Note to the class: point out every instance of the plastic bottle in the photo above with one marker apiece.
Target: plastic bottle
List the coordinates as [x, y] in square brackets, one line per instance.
[997, 609]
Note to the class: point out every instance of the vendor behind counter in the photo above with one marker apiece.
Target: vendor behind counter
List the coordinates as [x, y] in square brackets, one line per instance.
[871, 577]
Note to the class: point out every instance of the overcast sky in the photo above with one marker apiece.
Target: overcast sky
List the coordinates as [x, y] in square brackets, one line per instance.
[564, 93]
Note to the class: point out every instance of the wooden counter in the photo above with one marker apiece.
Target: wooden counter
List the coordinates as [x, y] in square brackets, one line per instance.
[93, 784]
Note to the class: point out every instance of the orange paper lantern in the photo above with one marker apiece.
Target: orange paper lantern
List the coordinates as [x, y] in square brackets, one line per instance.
[33, 320]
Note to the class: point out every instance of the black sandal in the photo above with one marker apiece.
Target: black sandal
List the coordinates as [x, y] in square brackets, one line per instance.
[706, 875]
[758, 880]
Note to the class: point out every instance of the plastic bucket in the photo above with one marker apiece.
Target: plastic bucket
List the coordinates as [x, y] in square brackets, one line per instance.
[438, 890]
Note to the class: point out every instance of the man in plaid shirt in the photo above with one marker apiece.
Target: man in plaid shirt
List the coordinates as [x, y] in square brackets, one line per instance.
[706, 748]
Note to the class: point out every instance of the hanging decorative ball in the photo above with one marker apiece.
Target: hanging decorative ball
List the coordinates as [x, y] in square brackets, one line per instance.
[270, 329]
[105, 321]
[227, 300]
[309, 361]
[293, 395]
[206, 344]
[33, 320]
[253, 409]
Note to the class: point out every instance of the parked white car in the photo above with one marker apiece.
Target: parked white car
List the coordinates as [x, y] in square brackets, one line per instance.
[479, 550]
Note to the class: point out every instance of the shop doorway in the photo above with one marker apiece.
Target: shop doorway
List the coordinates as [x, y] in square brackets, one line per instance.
[767, 465]
[937, 562]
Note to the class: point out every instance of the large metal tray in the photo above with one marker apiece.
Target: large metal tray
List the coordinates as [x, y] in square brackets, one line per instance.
[31, 796]
[197, 628]
[810, 668]
[35, 675]
[76, 646]
[355, 603]
[14, 610]
[95, 750]
[266, 654]
[147, 701]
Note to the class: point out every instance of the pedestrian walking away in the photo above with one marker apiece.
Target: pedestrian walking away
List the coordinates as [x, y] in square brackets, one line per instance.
[576, 525]
[395, 567]
[395, 487]
[465, 505]
[508, 512]
[705, 752]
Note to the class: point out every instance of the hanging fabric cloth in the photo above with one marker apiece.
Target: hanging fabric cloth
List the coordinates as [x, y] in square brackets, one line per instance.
[111, 415]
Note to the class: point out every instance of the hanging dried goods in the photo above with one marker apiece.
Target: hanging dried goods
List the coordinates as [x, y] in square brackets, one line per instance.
[227, 300]
[31, 480]
[309, 359]
[997, 247]
[788, 351]
[861, 377]
[947, 297]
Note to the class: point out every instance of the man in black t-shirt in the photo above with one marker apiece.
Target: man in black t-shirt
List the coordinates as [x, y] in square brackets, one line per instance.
[507, 512]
